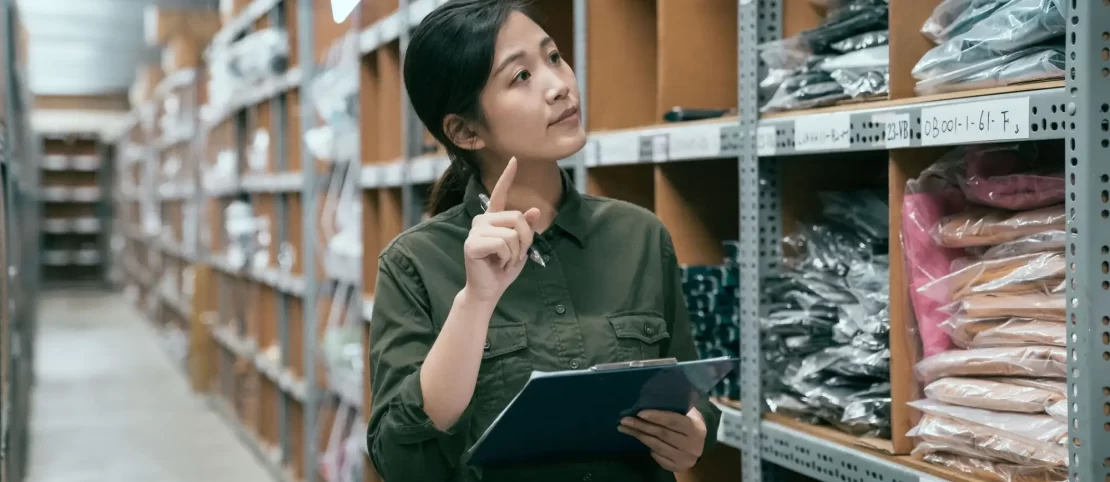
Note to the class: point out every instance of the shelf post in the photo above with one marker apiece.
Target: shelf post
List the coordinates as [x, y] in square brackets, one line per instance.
[581, 57]
[1088, 257]
[307, 54]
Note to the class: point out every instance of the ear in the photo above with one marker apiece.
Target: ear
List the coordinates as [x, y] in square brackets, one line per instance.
[462, 133]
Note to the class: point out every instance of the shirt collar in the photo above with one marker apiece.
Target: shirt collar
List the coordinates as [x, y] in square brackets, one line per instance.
[571, 217]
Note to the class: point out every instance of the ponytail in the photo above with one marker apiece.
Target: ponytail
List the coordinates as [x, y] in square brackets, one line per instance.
[450, 190]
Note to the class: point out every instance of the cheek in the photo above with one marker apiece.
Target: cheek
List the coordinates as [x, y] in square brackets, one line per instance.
[516, 122]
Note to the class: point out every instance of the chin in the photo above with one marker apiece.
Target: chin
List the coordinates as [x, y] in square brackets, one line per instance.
[569, 144]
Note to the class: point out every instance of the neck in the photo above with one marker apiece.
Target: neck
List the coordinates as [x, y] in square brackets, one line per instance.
[537, 185]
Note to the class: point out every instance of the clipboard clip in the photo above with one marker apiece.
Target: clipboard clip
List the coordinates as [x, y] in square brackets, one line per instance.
[634, 364]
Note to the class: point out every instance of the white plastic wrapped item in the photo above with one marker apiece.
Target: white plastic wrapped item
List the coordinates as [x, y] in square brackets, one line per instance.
[85, 162]
[1029, 65]
[1035, 243]
[260, 55]
[956, 17]
[977, 333]
[55, 162]
[1018, 361]
[1055, 386]
[1058, 410]
[86, 225]
[947, 435]
[1047, 307]
[991, 395]
[258, 156]
[994, 471]
[56, 225]
[1015, 26]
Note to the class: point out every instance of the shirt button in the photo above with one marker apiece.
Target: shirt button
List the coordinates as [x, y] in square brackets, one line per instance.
[486, 347]
[560, 309]
[574, 364]
[648, 329]
[587, 477]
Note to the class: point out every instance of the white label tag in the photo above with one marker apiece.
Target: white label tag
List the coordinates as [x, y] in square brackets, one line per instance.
[766, 140]
[394, 175]
[695, 142]
[619, 149]
[987, 120]
[896, 129]
[660, 148]
[422, 171]
[823, 132]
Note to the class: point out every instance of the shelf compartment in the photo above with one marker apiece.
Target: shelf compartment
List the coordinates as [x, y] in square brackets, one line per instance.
[389, 104]
[368, 94]
[699, 203]
[631, 183]
[371, 243]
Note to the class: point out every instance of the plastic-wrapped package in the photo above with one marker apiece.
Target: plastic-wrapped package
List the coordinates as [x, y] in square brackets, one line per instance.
[1034, 243]
[976, 333]
[1023, 274]
[956, 17]
[991, 395]
[1011, 177]
[862, 41]
[1038, 427]
[1055, 386]
[990, 470]
[1017, 25]
[984, 227]
[1048, 307]
[1030, 65]
[943, 434]
[1058, 410]
[828, 325]
[853, 18]
[1018, 361]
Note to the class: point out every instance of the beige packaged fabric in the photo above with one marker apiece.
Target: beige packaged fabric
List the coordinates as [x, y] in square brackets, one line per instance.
[976, 332]
[1017, 361]
[1034, 427]
[1037, 243]
[942, 434]
[991, 395]
[1038, 273]
[1052, 385]
[1058, 411]
[991, 227]
[990, 470]
[1048, 307]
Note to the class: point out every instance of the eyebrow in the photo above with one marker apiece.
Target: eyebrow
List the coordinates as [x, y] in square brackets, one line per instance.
[516, 56]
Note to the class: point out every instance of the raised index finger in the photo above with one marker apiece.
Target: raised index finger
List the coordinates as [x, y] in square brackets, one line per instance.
[500, 191]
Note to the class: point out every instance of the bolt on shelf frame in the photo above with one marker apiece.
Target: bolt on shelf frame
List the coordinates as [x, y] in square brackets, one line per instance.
[1078, 113]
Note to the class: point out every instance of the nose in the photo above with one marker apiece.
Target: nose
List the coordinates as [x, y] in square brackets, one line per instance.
[558, 90]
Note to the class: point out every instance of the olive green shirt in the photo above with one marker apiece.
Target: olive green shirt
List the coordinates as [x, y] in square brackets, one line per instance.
[611, 292]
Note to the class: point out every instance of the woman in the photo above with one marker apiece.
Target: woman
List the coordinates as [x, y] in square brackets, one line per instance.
[463, 313]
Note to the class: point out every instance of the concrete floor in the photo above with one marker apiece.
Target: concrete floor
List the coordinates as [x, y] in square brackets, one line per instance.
[110, 406]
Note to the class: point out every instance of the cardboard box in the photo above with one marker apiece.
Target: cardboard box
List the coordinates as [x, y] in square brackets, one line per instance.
[162, 25]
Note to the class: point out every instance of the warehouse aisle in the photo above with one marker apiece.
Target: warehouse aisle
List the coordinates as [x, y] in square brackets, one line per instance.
[110, 406]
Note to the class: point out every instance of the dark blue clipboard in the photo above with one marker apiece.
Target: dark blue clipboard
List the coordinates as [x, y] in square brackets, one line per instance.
[575, 414]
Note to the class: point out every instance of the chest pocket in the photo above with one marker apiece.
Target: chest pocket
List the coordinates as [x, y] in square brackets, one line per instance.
[505, 366]
[639, 335]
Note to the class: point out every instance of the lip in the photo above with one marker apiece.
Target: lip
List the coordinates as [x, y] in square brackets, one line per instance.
[571, 113]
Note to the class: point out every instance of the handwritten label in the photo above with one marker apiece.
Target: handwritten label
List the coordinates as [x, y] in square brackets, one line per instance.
[695, 142]
[619, 149]
[896, 129]
[823, 132]
[766, 140]
[987, 120]
[654, 148]
[423, 171]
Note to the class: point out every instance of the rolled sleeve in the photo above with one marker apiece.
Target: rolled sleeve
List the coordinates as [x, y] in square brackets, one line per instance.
[403, 442]
[682, 337]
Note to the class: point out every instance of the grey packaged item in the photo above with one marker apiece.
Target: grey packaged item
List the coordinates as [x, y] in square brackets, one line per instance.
[1029, 65]
[1015, 26]
[955, 17]
[862, 41]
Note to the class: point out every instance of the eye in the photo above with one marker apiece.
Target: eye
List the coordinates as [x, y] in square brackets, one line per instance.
[522, 76]
[555, 57]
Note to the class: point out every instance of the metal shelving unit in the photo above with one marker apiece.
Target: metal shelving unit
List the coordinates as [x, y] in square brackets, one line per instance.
[19, 211]
[1074, 112]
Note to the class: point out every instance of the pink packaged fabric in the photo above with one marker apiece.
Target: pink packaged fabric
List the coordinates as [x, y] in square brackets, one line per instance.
[1010, 178]
[929, 198]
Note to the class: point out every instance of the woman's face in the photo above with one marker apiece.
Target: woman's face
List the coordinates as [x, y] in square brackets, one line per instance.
[530, 103]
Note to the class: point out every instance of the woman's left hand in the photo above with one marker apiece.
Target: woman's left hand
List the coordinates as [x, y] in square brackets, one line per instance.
[675, 440]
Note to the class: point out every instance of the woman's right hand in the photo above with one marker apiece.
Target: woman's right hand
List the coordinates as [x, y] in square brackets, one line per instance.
[497, 247]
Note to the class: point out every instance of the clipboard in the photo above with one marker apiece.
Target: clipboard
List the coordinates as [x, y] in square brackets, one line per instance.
[574, 414]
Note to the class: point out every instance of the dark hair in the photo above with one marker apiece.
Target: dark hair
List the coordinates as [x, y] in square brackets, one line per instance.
[447, 64]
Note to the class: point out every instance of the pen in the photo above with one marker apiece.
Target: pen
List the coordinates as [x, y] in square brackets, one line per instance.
[533, 253]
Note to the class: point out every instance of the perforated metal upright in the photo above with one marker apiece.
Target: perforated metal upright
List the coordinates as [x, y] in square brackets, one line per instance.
[307, 53]
[1087, 154]
[279, 116]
